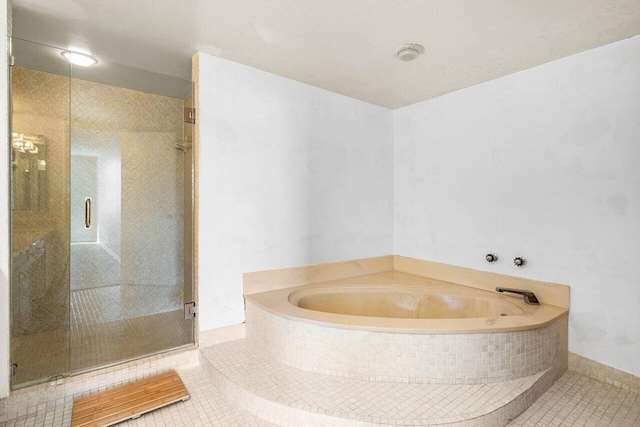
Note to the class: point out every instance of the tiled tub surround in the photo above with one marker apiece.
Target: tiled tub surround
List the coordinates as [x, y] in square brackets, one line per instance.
[404, 357]
[354, 358]
[449, 351]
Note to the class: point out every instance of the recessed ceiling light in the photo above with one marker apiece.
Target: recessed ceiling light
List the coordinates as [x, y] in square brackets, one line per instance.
[409, 52]
[79, 58]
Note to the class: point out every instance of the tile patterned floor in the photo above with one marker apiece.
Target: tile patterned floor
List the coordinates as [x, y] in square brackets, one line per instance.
[206, 407]
[574, 400]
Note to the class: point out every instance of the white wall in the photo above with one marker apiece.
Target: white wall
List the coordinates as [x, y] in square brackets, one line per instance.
[4, 211]
[289, 175]
[544, 164]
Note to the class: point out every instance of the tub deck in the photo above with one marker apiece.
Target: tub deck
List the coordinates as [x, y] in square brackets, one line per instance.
[278, 302]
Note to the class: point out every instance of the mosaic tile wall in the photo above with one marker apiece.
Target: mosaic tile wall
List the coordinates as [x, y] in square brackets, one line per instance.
[39, 300]
[40, 249]
[152, 210]
[428, 358]
[92, 266]
[139, 131]
[84, 184]
[106, 195]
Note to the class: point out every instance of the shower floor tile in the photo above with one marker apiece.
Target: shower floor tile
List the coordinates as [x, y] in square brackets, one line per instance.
[100, 344]
[97, 344]
[117, 302]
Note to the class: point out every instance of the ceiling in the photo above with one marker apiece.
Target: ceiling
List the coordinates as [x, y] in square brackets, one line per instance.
[345, 46]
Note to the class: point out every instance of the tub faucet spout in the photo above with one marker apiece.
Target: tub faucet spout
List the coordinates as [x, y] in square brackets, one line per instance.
[529, 297]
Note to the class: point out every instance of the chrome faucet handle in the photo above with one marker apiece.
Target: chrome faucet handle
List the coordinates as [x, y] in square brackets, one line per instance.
[529, 297]
[519, 261]
[491, 257]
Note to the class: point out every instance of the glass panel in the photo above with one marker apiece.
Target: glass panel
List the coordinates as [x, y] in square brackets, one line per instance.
[40, 86]
[186, 146]
[130, 271]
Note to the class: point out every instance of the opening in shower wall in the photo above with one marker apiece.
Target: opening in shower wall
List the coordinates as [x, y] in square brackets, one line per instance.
[101, 214]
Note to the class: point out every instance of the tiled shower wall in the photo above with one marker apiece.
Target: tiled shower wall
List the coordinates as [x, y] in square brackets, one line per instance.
[147, 127]
[39, 238]
[104, 148]
[84, 183]
[152, 214]
[39, 300]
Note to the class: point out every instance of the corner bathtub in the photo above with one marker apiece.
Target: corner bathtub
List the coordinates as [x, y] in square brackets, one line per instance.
[405, 302]
[395, 326]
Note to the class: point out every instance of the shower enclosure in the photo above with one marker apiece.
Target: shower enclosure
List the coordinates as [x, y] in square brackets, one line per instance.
[101, 214]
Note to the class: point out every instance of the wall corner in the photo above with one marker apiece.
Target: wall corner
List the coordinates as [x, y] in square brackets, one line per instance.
[5, 320]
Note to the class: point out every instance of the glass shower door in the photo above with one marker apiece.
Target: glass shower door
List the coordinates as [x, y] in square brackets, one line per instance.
[130, 219]
[40, 306]
[101, 214]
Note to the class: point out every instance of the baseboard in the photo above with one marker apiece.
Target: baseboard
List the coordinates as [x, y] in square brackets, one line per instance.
[220, 335]
[599, 371]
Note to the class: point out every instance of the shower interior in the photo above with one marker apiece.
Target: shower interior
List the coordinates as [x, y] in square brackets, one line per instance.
[100, 284]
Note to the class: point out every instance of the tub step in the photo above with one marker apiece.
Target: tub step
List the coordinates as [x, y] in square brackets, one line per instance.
[292, 397]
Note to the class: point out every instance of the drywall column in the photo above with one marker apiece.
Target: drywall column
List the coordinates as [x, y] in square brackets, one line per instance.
[289, 174]
[542, 164]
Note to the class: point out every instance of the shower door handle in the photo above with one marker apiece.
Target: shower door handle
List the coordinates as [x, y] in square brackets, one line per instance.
[87, 212]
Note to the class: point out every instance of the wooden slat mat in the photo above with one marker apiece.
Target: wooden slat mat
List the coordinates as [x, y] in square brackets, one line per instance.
[128, 401]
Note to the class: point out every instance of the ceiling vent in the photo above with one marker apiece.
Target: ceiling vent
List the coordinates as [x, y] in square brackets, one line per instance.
[409, 52]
